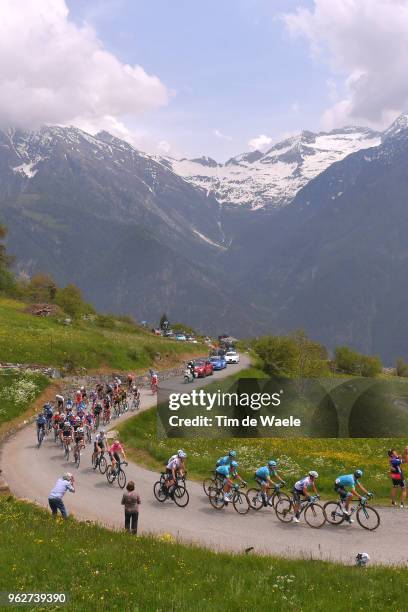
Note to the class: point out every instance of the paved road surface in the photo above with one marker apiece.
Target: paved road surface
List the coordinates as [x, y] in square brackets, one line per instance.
[31, 473]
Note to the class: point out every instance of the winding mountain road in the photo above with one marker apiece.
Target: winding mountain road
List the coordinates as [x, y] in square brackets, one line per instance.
[31, 473]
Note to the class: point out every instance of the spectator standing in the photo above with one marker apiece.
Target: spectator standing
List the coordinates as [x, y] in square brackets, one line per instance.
[131, 501]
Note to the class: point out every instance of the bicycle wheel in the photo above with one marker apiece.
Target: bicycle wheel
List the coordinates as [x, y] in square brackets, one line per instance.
[94, 461]
[208, 485]
[160, 492]
[273, 500]
[217, 499]
[368, 518]
[284, 510]
[315, 516]
[121, 479]
[103, 466]
[255, 499]
[240, 502]
[334, 513]
[67, 452]
[110, 474]
[77, 458]
[181, 496]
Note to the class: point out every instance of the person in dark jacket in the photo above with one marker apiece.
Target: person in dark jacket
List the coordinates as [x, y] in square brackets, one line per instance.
[131, 501]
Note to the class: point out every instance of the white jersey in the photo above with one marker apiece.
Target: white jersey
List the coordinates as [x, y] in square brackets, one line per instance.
[174, 463]
[305, 482]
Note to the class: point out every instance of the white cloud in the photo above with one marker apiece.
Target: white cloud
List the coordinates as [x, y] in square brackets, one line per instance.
[259, 142]
[222, 136]
[365, 42]
[164, 146]
[53, 71]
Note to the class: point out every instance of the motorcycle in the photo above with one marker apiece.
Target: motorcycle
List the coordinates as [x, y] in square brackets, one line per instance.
[188, 376]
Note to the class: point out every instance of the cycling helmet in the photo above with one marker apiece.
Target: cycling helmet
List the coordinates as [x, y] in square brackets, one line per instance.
[313, 474]
[40, 414]
[62, 416]
[272, 463]
[362, 559]
[234, 464]
[80, 430]
[232, 453]
[102, 432]
[358, 474]
[182, 455]
[67, 476]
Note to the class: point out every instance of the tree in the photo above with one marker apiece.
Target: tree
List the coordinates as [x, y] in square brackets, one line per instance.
[41, 288]
[70, 300]
[7, 282]
[279, 355]
[312, 360]
[401, 367]
[164, 322]
[352, 362]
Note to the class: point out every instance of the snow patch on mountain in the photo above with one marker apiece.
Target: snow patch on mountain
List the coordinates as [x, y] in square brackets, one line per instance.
[26, 169]
[272, 179]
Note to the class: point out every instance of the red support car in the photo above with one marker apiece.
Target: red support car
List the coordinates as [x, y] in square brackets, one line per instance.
[203, 368]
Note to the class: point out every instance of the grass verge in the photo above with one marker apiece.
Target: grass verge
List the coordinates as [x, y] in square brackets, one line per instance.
[115, 571]
[18, 390]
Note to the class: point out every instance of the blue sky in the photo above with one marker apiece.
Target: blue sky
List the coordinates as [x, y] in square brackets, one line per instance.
[232, 68]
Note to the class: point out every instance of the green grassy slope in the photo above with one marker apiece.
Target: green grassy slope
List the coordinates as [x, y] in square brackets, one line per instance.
[28, 339]
[110, 570]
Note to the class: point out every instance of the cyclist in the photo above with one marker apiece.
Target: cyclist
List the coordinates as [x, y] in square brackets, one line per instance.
[175, 467]
[342, 483]
[69, 404]
[79, 437]
[97, 411]
[115, 451]
[263, 476]
[129, 381]
[301, 490]
[234, 473]
[226, 460]
[99, 443]
[397, 477]
[154, 381]
[61, 423]
[89, 420]
[67, 434]
[224, 472]
[48, 413]
[41, 422]
[60, 401]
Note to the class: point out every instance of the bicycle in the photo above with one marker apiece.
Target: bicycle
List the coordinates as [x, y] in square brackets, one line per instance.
[212, 483]
[135, 404]
[177, 492]
[367, 516]
[238, 498]
[98, 460]
[88, 433]
[67, 447]
[258, 499]
[116, 473]
[313, 512]
[40, 436]
[154, 388]
[77, 455]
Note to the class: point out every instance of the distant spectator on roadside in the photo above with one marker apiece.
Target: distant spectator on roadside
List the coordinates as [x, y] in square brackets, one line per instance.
[131, 501]
[64, 484]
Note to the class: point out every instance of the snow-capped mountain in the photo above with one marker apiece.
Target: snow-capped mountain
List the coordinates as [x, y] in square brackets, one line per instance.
[272, 179]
